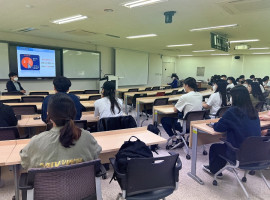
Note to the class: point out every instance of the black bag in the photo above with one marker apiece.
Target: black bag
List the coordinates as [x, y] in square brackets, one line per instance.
[154, 129]
[131, 149]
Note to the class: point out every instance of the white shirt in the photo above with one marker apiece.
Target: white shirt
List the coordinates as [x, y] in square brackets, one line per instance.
[231, 85]
[262, 88]
[215, 102]
[103, 108]
[191, 101]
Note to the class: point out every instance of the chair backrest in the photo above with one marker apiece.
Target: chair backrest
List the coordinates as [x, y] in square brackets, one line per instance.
[133, 90]
[254, 150]
[151, 174]
[76, 92]
[25, 109]
[115, 123]
[137, 96]
[221, 111]
[167, 87]
[91, 91]
[259, 106]
[193, 116]
[161, 101]
[174, 92]
[11, 101]
[206, 96]
[39, 93]
[81, 124]
[148, 89]
[11, 93]
[9, 133]
[94, 97]
[32, 99]
[160, 94]
[156, 88]
[201, 89]
[68, 182]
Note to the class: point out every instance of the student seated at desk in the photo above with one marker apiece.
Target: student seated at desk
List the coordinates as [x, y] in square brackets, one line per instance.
[239, 122]
[255, 92]
[231, 83]
[174, 82]
[13, 85]
[217, 99]
[192, 101]
[64, 144]
[62, 85]
[108, 105]
[7, 116]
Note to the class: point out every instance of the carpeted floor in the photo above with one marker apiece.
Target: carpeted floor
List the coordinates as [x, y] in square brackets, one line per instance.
[228, 187]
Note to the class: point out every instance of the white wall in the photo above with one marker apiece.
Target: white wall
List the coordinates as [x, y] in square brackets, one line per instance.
[155, 70]
[259, 65]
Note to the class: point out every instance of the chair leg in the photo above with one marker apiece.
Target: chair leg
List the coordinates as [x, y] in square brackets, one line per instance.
[244, 179]
[241, 184]
[264, 179]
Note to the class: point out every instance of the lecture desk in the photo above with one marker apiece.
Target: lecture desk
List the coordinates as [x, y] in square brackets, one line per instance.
[203, 134]
[150, 100]
[110, 141]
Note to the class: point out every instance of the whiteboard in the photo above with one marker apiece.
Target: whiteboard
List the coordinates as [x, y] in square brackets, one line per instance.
[4, 61]
[81, 64]
[131, 67]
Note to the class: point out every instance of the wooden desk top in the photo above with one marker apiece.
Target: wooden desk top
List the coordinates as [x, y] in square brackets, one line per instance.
[110, 141]
[166, 109]
[131, 94]
[6, 148]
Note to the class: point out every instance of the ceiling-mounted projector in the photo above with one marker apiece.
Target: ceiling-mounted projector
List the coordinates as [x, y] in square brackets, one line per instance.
[242, 47]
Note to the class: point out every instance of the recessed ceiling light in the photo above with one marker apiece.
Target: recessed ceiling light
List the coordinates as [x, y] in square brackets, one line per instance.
[259, 48]
[239, 41]
[179, 45]
[203, 51]
[184, 55]
[220, 54]
[141, 36]
[138, 3]
[214, 27]
[262, 53]
[69, 19]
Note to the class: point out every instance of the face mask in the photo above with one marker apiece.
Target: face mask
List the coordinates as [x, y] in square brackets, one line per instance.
[16, 79]
[214, 88]
[246, 85]
[228, 82]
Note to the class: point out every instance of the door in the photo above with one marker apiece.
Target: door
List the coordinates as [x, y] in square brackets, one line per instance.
[167, 69]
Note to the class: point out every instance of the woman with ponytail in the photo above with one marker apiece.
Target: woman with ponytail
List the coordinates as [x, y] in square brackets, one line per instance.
[64, 144]
[108, 105]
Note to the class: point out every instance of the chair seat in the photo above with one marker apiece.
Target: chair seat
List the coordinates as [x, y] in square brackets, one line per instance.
[158, 194]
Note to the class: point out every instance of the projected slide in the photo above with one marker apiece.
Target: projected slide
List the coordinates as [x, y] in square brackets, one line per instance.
[34, 62]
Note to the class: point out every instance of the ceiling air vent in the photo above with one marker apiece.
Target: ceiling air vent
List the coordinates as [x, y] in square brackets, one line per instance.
[25, 30]
[81, 32]
[172, 50]
[114, 36]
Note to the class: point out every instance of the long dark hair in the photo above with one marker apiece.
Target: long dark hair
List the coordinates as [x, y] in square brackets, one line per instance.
[241, 100]
[222, 85]
[256, 91]
[62, 111]
[110, 93]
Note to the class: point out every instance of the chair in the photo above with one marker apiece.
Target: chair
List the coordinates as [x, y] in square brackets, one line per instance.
[221, 111]
[156, 88]
[91, 91]
[25, 109]
[94, 97]
[12, 93]
[76, 92]
[190, 116]
[201, 89]
[115, 123]
[39, 93]
[167, 87]
[135, 97]
[205, 97]
[32, 99]
[9, 133]
[253, 154]
[81, 124]
[11, 101]
[148, 178]
[259, 106]
[174, 92]
[133, 90]
[148, 89]
[160, 94]
[76, 181]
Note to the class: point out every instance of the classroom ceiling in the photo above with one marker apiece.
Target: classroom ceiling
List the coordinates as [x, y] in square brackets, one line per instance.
[252, 17]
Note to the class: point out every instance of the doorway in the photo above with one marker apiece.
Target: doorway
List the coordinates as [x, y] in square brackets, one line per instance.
[167, 69]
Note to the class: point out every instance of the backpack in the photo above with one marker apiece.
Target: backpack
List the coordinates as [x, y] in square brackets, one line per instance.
[154, 129]
[131, 149]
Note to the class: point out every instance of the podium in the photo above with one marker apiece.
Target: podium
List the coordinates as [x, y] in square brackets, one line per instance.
[108, 78]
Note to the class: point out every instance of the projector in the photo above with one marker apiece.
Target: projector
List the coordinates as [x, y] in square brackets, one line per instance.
[241, 47]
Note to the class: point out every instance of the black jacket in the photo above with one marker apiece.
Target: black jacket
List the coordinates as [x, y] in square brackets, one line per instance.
[11, 87]
[7, 116]
[115, 123]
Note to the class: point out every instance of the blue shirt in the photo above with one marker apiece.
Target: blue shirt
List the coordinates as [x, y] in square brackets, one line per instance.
[174, 83]
[75, 99]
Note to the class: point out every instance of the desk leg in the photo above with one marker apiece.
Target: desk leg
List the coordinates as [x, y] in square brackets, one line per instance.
[16, 172]
[125, 99]
[192, 174]
[138, 113]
